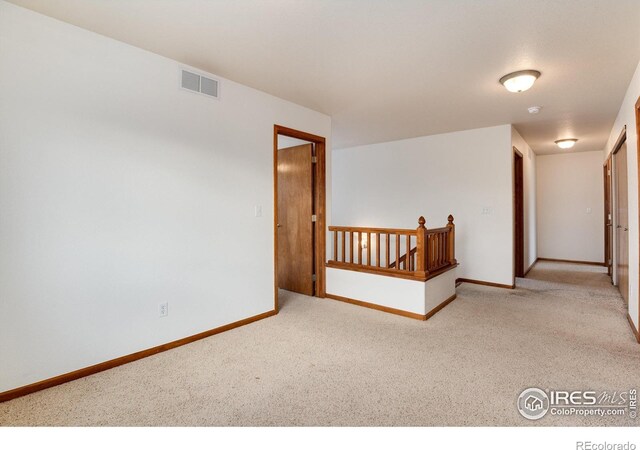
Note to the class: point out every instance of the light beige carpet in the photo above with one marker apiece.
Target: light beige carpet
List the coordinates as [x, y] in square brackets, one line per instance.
[322, 362]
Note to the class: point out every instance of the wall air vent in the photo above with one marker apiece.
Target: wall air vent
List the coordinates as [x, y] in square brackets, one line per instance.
[201, 84]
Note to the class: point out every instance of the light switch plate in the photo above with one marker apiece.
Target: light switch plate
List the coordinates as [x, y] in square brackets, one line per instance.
[258, 211]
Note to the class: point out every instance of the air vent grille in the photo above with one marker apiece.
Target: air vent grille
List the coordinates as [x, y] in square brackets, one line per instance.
[198, 83]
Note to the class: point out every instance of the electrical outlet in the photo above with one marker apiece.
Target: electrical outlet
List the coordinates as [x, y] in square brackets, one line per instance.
[486, 210]
[164, 309]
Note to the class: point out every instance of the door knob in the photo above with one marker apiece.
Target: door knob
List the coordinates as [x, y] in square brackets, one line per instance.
[626, 229]
[278, 225]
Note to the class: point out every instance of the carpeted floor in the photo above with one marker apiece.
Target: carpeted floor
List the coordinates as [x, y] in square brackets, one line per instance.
[322, 362]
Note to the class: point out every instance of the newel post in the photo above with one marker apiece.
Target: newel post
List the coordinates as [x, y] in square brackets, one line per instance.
[451, 251]
[421, 246]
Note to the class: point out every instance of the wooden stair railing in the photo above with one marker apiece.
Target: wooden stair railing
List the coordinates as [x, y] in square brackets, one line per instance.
[403, 259]
[416, 254]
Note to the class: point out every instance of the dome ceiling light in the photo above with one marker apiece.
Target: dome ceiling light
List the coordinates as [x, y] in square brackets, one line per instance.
[520, 81]
[566, 143]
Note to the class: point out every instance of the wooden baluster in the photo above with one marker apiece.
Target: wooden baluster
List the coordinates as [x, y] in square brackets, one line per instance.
[406, 259]
[368, 249]
[435, 251]
[446, 246]
[443, 249]
[351, 248]
[378, 249]
[412, 265]
[388, 250]
[451, 251]
[397, 252]
[438, 247]
[335, 245]
[344, 254]
[426, 251]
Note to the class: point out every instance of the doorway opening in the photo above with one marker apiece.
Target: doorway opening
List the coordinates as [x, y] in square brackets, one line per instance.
[518, 215]
[299, 173]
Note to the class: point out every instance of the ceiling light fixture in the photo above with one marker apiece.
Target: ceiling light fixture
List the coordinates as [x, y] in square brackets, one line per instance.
[566, 143]
[519, 81]
[534, 109]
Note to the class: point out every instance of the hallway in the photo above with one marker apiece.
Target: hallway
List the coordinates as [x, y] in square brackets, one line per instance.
[323, 362]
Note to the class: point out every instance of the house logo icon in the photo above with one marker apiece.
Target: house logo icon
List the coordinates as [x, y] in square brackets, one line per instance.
[533, 403]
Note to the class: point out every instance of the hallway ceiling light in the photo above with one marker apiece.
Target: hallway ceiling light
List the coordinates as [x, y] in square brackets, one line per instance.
[534, 109]
[519, 81]
[566, 143]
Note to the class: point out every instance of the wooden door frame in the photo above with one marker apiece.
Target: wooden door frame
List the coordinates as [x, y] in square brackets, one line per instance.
[320, 169]
[518, 211]
[637, 111]
[622, 138]
[607, 172]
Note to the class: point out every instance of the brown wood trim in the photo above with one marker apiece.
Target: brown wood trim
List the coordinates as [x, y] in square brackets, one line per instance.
[518, 152]
[608, 209]
[86, 371]
[321, 213]
[320, 204]
[276, 306]
[588, 263]
[485, 283]
[388, 272]
[622, 138]
[635, 332]
[637, 108]
[395, 311]
[440, 306]
[285, 131]
[386, 309]
[526, 272]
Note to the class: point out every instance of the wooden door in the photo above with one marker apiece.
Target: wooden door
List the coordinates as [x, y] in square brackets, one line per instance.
[608, 218]
[518, 208]
[294, 222]
[622, 223]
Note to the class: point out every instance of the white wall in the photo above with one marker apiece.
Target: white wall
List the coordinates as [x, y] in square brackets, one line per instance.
[418, 297]
[626, 116]
[286, 142]
[570, 206]
[119, 191]
[530, 209]
[392, 184]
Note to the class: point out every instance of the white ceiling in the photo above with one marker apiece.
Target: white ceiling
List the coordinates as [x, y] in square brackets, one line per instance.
[393, 69]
